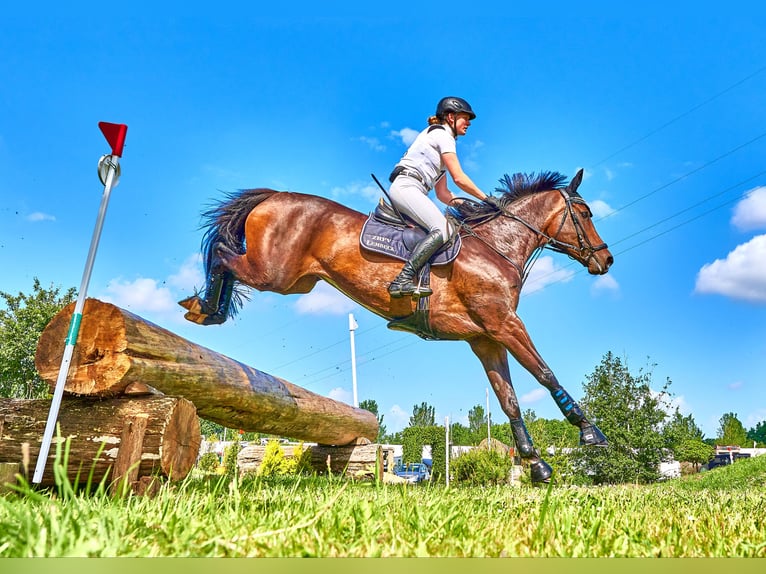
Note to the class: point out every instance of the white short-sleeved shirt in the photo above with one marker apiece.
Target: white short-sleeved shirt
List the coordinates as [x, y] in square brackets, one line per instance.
[424, 155]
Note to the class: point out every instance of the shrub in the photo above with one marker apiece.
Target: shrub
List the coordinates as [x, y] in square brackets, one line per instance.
[274, 462]
[481, 467]
[208, 462]
[230, 458]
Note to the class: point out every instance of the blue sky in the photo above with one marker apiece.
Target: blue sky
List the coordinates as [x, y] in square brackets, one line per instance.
[664, 111]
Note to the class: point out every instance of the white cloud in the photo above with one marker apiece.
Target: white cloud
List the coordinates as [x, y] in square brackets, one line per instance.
[374, 143]
[750, 213]
[157, 298]
[40, 216]
[605, 283]
[533, 396]
[341, 394]
[190, 275]
[368, 191]
[742, 275]
[543, 273]
[324, 300]
[141, 295]
[407, 135]
[600, 208]
[396, 418]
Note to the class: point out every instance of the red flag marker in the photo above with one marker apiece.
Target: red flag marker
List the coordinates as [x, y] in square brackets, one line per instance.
[115, 135]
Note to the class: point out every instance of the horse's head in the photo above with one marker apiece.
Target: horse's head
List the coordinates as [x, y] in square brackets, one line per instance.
[554, 212]
[574, 234]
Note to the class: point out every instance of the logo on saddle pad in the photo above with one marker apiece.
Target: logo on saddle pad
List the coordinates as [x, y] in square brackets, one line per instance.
[384, 233]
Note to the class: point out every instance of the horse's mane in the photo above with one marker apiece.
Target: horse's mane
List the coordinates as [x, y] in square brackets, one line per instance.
[511, 188]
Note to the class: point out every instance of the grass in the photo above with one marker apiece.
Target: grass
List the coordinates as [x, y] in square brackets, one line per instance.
[721, 513]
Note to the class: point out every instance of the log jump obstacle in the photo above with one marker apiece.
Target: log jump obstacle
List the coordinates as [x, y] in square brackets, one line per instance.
[128, 374]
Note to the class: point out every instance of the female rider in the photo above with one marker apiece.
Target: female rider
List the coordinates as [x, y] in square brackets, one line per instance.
[421, 169]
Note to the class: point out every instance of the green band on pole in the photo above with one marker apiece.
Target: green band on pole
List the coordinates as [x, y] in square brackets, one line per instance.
[74, 328]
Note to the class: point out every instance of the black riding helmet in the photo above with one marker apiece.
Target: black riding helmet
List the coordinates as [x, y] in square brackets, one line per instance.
[452, 104]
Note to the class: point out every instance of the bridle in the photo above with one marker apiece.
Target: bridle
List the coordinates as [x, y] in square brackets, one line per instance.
[584, 249]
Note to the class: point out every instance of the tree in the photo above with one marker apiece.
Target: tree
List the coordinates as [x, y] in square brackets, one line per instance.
[372, 406]
[460, 434]
[694, 451]
[731, 432]
[21, 323]
[477, 423]
[423, 415]
[680, 429]
[758, 433]
[631, 415]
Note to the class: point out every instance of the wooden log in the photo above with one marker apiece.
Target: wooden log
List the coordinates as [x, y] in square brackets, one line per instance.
[117, 350]
[356, 461]
[168, 445]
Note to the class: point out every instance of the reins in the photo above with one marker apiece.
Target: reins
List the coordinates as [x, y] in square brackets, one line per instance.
[584, 247]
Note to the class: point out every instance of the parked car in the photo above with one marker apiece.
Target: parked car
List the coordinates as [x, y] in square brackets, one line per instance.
[724, 458]
[413, 472]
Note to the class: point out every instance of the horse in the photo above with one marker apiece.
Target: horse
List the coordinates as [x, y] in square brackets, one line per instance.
[285, 242]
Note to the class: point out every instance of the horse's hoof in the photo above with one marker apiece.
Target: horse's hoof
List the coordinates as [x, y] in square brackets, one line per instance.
[192, 304]
[540, 472]
[590, 435]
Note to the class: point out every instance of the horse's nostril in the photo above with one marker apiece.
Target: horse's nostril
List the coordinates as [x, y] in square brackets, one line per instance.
[609, 261]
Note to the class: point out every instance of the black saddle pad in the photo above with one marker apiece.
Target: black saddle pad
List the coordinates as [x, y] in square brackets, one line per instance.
[397, 239]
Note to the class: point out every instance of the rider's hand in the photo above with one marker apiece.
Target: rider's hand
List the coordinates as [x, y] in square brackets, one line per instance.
[493, 201]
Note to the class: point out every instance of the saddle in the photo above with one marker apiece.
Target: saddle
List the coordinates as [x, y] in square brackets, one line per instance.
[386, 233]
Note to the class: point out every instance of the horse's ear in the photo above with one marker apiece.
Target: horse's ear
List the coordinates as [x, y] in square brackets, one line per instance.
[576, 181]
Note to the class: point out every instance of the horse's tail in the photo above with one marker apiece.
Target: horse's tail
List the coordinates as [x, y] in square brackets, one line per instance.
[224, 224]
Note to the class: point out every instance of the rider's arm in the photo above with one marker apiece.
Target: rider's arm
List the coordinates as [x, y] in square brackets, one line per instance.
[459, 177]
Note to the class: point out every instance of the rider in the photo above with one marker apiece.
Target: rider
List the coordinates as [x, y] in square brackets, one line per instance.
[421, 169]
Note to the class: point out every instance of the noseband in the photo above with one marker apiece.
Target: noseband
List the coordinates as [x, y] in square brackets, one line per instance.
[584, 249]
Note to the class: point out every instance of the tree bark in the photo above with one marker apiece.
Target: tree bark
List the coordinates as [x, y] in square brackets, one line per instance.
[117, 349]
[161, 434]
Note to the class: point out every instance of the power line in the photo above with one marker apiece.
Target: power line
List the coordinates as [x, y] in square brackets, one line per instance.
[683, 115]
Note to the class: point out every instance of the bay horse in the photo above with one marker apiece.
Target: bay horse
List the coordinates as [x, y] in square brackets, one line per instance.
[285, 242]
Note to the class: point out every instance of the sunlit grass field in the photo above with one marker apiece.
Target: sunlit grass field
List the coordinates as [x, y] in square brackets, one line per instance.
[721, 513]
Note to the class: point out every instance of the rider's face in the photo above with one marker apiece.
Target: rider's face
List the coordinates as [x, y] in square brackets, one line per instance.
[462, 121]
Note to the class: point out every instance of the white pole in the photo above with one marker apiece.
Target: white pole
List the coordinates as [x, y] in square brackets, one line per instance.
[352, 326]
[115, 134]
[446, 451]
[488, 432]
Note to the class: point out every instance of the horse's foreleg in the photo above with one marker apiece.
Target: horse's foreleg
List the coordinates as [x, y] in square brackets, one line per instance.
[494, 358]
[519, 344]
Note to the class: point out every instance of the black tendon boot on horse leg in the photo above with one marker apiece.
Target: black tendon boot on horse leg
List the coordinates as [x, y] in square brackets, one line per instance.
[539, 470]
[214, 307]
[404, 282]
[590, 435]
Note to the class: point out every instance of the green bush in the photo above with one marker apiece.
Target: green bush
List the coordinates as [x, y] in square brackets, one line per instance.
[208, 462]
[230, 458]
[481, 467]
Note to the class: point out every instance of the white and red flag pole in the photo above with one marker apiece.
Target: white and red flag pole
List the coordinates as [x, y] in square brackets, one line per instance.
[109, 173]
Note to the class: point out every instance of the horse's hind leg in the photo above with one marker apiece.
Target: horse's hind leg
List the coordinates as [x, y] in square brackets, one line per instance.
[213, 307]
[494, 358]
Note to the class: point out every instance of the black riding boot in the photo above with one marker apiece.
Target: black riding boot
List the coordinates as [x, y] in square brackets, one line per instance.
[404, 283]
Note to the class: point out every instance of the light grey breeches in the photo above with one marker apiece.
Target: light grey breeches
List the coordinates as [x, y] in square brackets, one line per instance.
[407, 195]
